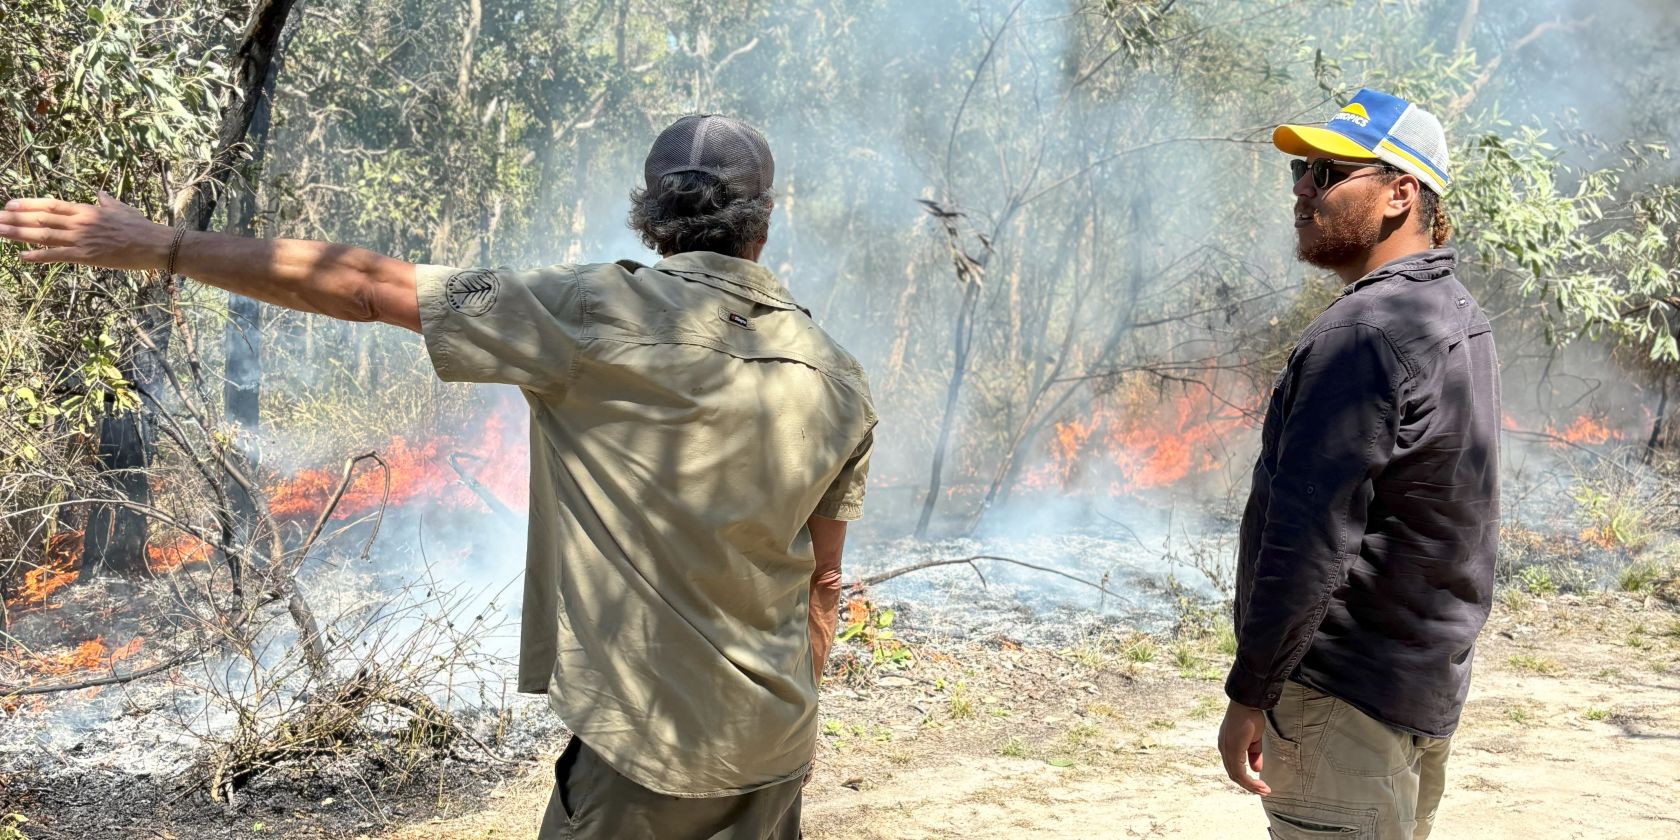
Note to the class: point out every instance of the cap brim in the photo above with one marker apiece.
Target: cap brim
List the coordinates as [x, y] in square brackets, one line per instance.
[1306, 139]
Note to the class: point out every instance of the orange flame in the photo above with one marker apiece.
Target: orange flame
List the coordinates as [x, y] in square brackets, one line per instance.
[1584, 431]
[59, 570]
[1143, 447]
[162, 559]
[87, 655]
[418, 471]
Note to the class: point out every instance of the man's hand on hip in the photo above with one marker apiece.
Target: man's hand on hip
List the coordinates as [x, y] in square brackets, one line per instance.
[109, 234]
[1239, 746]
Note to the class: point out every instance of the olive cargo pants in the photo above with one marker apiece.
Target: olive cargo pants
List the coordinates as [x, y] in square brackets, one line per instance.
[592, 801]
[1336, 772]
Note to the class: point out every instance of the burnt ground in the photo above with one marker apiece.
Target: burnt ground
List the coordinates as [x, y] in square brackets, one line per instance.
[127, 760]
[1086, 729]
[384, 781]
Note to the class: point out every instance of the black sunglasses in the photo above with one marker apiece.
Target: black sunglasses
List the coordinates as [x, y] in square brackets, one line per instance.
[1326, 173]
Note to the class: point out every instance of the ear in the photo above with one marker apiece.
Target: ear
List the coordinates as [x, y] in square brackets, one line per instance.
[1400, 196]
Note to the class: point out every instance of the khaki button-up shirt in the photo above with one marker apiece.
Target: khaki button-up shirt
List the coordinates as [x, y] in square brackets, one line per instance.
[686, 421]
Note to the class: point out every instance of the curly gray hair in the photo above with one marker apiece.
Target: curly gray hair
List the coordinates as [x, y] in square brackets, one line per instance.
[694, 211]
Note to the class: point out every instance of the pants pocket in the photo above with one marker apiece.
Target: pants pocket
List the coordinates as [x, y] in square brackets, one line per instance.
[566, 787]
[1294, 730]
[1360, 745]
[1301, 712]
[1306, 831]
[1301, 820]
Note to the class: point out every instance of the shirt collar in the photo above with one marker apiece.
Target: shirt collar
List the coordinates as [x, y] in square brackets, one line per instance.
[736, 276]
[1432, 264]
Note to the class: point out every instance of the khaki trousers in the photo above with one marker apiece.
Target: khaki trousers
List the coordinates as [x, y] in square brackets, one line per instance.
[1336, 772]
[592, 801]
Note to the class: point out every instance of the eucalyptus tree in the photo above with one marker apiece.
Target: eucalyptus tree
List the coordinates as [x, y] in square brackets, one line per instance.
[93, 96]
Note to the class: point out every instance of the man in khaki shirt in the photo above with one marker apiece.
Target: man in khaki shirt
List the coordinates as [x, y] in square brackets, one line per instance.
[698, 444]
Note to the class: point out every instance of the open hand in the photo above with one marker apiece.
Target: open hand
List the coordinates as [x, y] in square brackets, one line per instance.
[1239, 745]
[109, 234]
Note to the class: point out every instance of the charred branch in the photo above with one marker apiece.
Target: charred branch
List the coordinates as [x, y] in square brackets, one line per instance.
[971, 561]
[478, 489]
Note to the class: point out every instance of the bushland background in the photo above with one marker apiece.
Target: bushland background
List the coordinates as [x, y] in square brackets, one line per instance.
[1054, 232]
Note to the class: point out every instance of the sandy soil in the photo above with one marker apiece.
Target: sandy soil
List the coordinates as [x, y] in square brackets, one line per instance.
[1572, 731]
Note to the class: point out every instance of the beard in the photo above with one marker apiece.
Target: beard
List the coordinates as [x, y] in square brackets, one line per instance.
[1342, 238]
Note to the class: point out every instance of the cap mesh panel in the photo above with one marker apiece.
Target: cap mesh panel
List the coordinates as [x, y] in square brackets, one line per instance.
[729, 150]
[1420, 130]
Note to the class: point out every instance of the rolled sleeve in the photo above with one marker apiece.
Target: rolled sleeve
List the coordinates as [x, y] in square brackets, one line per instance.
[520, 328]
[1341, 418]
[844, 498]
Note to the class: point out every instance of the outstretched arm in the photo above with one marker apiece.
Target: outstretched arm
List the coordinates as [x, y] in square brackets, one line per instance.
[339, 281]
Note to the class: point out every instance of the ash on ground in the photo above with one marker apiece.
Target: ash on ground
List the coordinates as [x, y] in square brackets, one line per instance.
[995, 599]
[109, 760]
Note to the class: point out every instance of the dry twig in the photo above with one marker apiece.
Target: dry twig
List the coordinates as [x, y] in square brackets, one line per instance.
[882, 577]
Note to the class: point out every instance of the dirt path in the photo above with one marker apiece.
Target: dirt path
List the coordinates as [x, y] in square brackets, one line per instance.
[1572, 731]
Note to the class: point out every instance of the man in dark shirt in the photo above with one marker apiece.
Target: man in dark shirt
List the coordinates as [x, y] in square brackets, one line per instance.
[1365, 563]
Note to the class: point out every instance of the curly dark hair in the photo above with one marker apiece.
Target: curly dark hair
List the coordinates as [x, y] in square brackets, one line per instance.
[694, 211]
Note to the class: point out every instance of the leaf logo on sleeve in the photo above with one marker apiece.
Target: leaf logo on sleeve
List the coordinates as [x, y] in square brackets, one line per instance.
[472, 292]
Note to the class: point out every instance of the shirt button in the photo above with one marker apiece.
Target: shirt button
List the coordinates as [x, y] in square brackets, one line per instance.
[1311, 489]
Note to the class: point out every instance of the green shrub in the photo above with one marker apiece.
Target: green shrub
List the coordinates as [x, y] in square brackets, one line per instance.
[1537, 580]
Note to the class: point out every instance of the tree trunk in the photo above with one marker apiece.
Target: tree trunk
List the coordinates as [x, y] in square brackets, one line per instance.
[1656, 440]
[1003, 484]
[963, 337]
[116, 536]
[1466, 26]
[242, 349]
[115, 539]
[362, 336]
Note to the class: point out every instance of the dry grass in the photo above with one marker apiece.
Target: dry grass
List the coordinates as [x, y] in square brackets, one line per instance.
[1534, 664]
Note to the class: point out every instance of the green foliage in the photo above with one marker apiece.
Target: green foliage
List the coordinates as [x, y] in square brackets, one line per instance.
[1537, 580]
[959, 704]
[1534, 664]
[93, 95]
[1601, 254]
[1226, 640]
[1615, 517]
[11, 826]
[1141, 649]
[872, 629]
[1639, 576]
[1089, 653]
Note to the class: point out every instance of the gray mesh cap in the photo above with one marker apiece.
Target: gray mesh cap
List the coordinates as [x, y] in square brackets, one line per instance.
[725, 148]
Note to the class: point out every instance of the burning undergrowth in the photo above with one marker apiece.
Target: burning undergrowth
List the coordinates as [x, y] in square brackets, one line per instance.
[1132, 442]
[365, 635]
[1127, 520]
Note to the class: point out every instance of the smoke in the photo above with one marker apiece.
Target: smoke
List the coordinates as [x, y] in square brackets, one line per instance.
[1113, 174]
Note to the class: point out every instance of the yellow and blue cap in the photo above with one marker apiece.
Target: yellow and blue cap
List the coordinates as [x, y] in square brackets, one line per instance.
[1376, 126]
